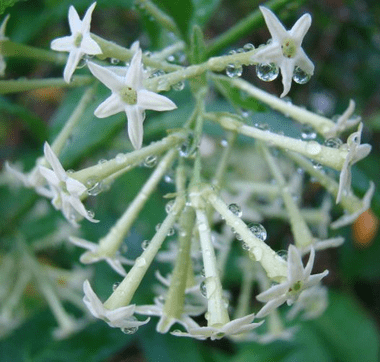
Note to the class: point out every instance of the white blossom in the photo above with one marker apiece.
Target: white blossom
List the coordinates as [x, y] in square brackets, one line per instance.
[3, 38]
[65, 191]
[129, 95]
[94, 255]
[78, 43]
[299, 279]
[285, 48]
[356, 152]
[117, 318]
[232, 328]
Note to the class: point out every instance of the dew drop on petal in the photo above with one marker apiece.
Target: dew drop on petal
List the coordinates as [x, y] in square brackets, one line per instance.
[120, 158]
[203, 289]
[169, 206]
[171, 232]
[96, 189]
[179, 86]
[90, 214]
[235, 209]
[129, 330]
[267, 71]
[224, 143]
[299, 76]
[258, 230]
[158, 226]
[248, 47]
[114, 61]
[245, 246]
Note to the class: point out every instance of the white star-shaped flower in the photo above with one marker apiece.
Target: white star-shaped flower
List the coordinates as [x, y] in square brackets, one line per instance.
[3, 38]
[232, 328]
[117, 318]
[356, 152]
[65, 191]
[299, 279]
[94, 255]
[129, 95]
[78, 43]
[285, 49]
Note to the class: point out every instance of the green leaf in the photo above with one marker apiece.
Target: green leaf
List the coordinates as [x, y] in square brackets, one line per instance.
[348, 331]
[198, 45]
[5, 4]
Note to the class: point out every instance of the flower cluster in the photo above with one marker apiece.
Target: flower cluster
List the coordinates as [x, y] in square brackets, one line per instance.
[218, 199]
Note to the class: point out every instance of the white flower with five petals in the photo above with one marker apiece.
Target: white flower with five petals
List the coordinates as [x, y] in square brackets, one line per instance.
[78, 43]
[3, 38]
[65, 191]
[129, 95]
[117, 318]
[299, 279]
[285, 49]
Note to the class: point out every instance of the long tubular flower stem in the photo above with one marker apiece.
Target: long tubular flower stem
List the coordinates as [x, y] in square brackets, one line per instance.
[321, 124]
[110, 244]
[22, 85]
[301, 232]
[245, 296]
[131, 159]
[71, 123]
[274, 265]
[124, 293]
[217, 314]
[327, 156]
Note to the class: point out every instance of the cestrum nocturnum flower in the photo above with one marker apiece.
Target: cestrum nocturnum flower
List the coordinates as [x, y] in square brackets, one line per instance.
[3, 38]
[356, 152]
[65, 191]
[285, 49]
[129, 95]
[299, 279]
[117, 318]
[78, 43]
[232, 328]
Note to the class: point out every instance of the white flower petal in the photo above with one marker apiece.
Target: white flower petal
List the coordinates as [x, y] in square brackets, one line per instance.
[134, 76]
[90, 46]
[64, 44]
[156, 102]
[74, 187]
[287, 69]
[54, 162]
[107, 77]
[276, 29]
[300, 28]
[2, 28]
[135, 125]
[86, 22]
[93, 303]
[49, 175]
[112, 105]
[74, 21]
[72, 61]
[304, 62]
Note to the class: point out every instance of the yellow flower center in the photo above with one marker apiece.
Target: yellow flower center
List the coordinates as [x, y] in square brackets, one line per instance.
[128, 95]
[78, 40]
[289, 48]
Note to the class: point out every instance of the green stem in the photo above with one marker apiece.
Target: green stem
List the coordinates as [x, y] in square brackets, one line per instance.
[246, 290]
[22, 85]
[327, 156]
[11, 49]
[128, 160]
[273, 264]
[301, 232]
[124, 293]
[110, 244]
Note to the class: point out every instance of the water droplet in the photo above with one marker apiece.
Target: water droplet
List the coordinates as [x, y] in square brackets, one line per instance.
[158, 226]
[267, 71]
[171, 232]
[114, 61]
[90, 214]
[248, 47]
[115, 285]
[283, 254]
[158, 73]
[120, 158]
[308, 133]
[234, 70]
[129, 330]
[102, 161]
[235, 209]
[186, 147]
[203, 289]
[262, 126]
[313, 148]
[238, 237]
[316, 165]
[123, 248]
[258, 230]
[140, 262]
[177, 331]
[224, 143]
[169, 178]
[169, 206]
[179, 86]
[82, 63]
[333, 142]
[232, 52]
[145, 244]
[203, 273]
[96, 189]
[171, 58]
[70, 171]
[299, 76]
[150, 161]
[245, 246]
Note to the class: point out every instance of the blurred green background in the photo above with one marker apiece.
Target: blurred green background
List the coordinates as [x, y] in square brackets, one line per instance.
[343, 42]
